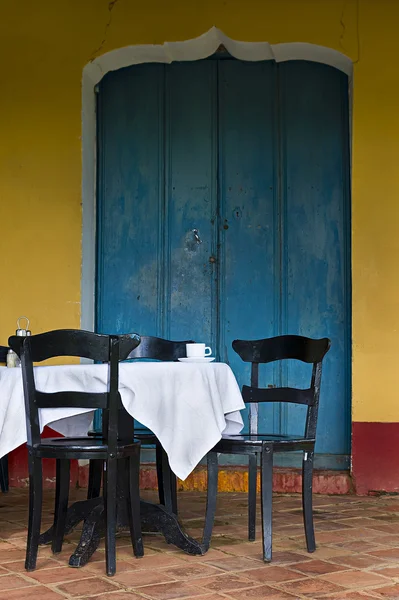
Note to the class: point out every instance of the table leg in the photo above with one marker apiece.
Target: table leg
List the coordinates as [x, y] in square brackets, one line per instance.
[77, 512]
[92, 532]
[156, 517]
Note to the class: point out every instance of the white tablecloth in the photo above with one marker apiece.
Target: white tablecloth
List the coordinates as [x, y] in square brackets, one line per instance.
[187, 405]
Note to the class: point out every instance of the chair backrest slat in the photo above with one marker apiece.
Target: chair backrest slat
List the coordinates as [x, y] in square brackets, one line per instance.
[159, 349]
[69, 342]
[291, 395]
[281, 348]
[72, 399]
[285, 347]
[84, 344]
[3, 354]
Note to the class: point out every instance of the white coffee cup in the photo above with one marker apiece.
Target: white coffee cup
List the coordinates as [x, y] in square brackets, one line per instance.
[198, 350]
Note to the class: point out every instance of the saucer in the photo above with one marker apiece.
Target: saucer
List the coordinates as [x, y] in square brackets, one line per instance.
[198, 359]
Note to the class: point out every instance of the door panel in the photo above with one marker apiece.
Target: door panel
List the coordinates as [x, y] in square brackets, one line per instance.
[130, 200]
[190, 168]
[249, 267]
[315, 208]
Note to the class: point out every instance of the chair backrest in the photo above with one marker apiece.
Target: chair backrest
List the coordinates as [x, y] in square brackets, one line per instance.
[3, 354]
[159, 349]
[76, 343]
[283, 347]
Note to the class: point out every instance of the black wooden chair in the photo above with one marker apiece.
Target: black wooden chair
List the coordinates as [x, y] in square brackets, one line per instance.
[3, 354]
[153, 348]
[4, 459]
[265, 445]
[106, 450]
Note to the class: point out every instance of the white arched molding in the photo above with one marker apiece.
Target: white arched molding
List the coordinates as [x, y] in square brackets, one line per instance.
[196, 49]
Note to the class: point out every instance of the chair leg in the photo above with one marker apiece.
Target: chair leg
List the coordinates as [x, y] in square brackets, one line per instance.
[158, 460]
[173, 490]
[95, 473]
[307, 503]
[168, 483]
[110, 479]
[252, 475]
[133, 503]
[61, 503]
[35, 511]
[266, 500]
[4, 473]
[211, 495]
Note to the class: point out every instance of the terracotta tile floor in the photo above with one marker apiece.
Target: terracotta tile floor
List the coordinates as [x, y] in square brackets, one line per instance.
[357, 555]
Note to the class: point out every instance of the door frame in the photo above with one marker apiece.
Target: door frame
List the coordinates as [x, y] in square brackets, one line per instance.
[196, 49]
[189, 50]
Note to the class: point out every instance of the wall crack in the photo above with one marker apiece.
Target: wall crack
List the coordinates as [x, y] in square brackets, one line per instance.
[344, 28]
[97, 51]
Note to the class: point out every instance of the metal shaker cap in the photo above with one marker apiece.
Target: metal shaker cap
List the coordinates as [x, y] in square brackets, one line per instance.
[21, 332]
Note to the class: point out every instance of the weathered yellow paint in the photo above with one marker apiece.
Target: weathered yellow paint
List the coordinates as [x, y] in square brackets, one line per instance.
[43, 49]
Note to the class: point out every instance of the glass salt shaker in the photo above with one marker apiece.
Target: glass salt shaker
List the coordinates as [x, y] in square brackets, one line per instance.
[11, 358]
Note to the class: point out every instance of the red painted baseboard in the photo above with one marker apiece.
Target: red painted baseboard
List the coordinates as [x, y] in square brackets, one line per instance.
[18, 466]
[375, 457]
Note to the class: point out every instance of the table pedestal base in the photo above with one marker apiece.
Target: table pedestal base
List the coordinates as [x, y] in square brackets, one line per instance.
[154, 518]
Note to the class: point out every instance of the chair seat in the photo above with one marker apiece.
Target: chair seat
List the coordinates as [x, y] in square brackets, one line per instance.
[144, 438]
[79, 447]
[248, 444]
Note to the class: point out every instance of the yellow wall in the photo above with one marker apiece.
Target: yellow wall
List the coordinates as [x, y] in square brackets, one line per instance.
[43, 49]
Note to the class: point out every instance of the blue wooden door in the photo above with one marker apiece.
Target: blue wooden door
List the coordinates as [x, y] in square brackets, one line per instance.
[254, 156]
